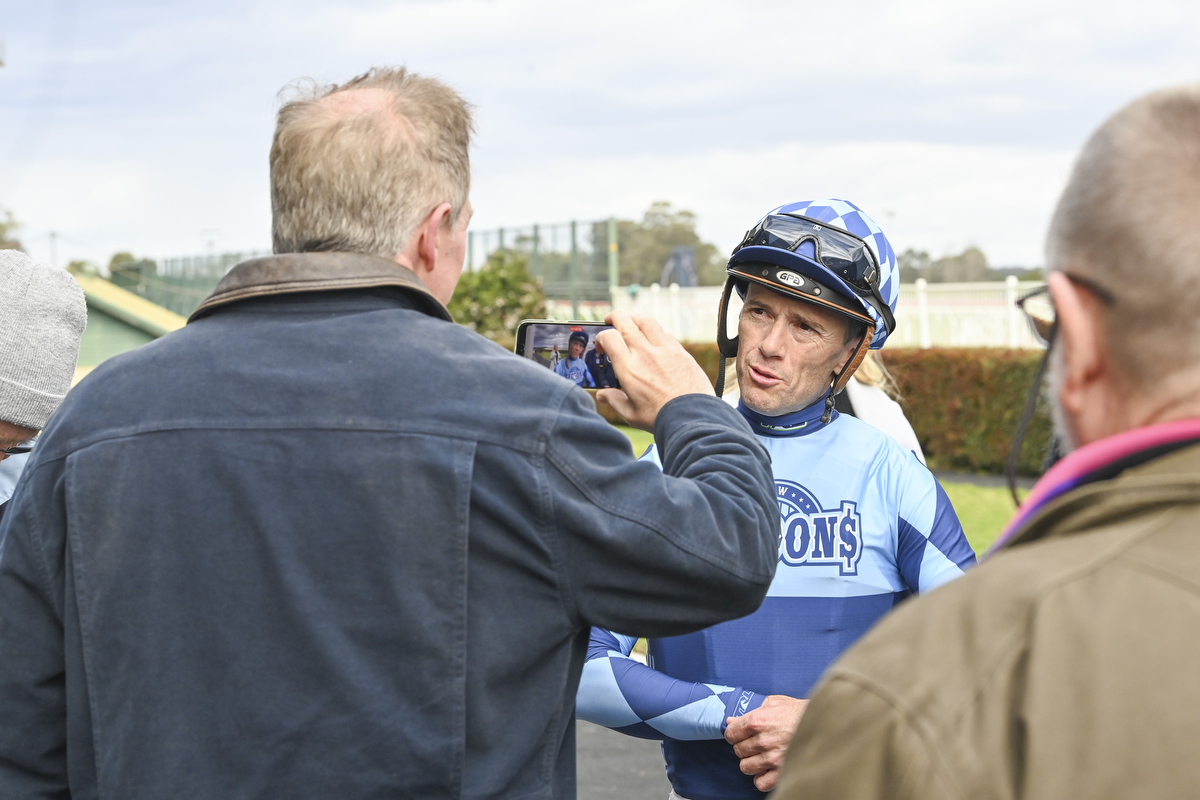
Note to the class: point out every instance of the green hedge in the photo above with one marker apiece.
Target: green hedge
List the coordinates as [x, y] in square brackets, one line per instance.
[963, 404]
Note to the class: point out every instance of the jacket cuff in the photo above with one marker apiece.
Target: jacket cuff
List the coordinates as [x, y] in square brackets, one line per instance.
[690, 409]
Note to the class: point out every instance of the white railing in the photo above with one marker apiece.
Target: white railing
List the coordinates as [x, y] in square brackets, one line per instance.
[962, 315]
[928, 314]
[690, 315]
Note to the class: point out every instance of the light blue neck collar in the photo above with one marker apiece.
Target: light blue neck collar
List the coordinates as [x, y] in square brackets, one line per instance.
[10, 471]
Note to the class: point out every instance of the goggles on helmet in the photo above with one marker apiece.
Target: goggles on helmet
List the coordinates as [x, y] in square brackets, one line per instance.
[843, 254]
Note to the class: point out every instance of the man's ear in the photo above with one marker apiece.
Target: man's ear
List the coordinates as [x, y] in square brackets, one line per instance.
[1079, 334]
[425, 255]
[844, 355]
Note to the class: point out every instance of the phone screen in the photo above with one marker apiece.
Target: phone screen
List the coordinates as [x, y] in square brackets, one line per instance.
[570, 349]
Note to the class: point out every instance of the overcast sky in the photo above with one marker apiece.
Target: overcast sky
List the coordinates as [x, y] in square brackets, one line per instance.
[144, 126]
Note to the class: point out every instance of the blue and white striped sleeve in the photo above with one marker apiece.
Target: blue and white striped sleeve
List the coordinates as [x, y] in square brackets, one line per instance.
[931, 548]
[621, 693]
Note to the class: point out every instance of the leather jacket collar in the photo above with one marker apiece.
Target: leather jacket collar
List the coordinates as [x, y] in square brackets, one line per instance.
[290, 273]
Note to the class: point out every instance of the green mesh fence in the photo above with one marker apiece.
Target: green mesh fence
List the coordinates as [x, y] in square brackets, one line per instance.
[575, 262]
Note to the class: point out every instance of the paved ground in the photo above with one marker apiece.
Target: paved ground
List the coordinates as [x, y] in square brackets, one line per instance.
[612, 766]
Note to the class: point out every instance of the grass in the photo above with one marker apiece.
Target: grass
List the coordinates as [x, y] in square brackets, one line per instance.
[640, 439]
[982, 510]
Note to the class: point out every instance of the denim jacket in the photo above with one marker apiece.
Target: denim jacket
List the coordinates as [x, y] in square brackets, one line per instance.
[322, 542]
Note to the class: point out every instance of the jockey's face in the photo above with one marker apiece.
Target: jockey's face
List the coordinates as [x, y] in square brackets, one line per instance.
[788, 351]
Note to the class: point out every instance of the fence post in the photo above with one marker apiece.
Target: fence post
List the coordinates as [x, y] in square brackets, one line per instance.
[535, 257]
[655, 308]
[614, 266]
[923, 313]
[1010, 300]
[501, 247]
[673, 294]
[574, 273]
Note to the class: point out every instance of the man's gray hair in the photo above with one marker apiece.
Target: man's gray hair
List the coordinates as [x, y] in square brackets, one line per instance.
[1130, 219]
[357, 167]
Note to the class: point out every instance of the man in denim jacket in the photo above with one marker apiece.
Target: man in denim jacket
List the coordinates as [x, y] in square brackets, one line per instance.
[324, 543]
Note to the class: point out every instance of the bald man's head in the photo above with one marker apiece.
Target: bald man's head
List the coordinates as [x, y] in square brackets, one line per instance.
[357, 167]
[1129, 219]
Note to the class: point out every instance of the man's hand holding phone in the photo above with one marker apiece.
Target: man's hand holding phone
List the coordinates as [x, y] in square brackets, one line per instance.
[651, 366]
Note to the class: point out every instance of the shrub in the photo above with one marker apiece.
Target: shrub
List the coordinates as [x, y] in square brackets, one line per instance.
[964, 405]
[492, 300]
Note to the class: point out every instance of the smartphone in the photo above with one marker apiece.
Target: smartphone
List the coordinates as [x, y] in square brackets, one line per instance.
[569, 349]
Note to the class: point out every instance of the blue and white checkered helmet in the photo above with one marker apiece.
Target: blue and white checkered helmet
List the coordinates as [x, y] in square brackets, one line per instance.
[845, 216]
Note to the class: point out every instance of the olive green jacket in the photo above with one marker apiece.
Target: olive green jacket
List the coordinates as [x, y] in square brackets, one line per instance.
[1066, 666]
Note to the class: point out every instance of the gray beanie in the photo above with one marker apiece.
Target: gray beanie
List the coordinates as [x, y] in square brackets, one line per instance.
[42, 317]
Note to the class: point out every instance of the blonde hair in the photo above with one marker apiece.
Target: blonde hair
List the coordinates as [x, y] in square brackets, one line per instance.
[357, 167]
[873, 372]
[1130, 219]
[732, 387]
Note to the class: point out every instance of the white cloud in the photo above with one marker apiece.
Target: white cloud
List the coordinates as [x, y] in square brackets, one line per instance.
[929, 196]
[150, 124]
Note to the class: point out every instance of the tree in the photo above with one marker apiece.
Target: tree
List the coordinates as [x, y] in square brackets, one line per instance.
[494, 299]
[645, 246]
[126, 264]
[129, 272]
[82, 267]
[914, 264]
[121, 259]
[8, 232]
[969, 265]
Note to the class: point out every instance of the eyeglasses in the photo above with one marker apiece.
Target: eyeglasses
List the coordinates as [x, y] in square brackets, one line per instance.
[19, 449]
[1043, 321]
[1039, 309]
[842, 253]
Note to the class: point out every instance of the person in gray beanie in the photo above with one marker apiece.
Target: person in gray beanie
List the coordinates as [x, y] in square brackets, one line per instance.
[42, 317]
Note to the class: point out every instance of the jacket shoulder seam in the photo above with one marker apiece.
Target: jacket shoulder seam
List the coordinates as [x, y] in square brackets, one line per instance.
[1160, 573]
[39, 548]
[63, 449]
[565, 590]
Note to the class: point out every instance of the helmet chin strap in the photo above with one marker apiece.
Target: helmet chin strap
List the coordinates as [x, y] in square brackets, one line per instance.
[727, 347]
[843, 377]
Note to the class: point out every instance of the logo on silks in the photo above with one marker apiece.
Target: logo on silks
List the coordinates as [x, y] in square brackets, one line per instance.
[814, 536]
